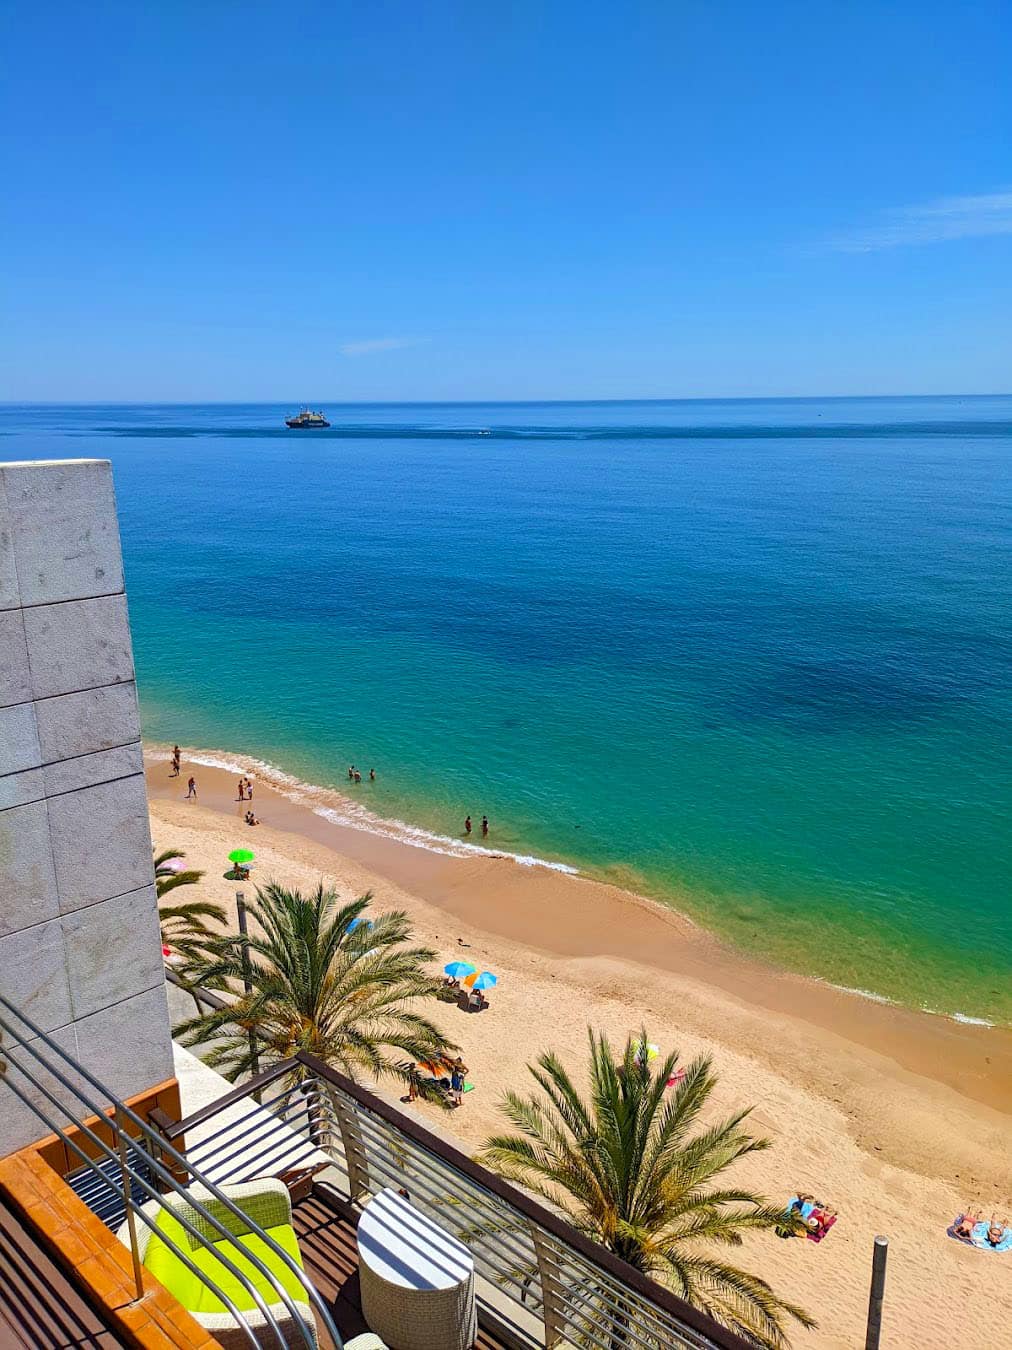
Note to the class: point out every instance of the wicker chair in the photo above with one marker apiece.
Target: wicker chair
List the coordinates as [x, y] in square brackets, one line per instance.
[267, 1204]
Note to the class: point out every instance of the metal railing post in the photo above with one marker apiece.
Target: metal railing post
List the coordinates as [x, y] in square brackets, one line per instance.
[353, 1143]
[128, 1206]
[875, 1297]
[247, 983]
[552, 1309]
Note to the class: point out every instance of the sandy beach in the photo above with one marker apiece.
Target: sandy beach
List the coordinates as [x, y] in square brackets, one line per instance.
[897, 1118]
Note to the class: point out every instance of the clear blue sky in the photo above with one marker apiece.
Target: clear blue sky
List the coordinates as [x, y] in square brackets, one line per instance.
[466, 200]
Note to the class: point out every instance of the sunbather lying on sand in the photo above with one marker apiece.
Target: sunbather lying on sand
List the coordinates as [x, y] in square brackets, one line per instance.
[970, 1227]
[964, 1227]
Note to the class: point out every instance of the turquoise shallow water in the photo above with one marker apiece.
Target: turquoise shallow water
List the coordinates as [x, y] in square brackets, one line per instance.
[751, 657]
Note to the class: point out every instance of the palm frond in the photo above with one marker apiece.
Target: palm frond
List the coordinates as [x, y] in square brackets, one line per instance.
[636, 1169]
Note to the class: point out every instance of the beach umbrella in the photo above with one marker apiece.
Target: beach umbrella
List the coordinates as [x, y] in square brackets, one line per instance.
[458, 969]
[646, 1052]
[359, 923]
[241, 856]
[483, 981]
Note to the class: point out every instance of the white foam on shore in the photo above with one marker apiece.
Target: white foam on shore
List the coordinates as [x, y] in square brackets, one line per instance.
[964, 1018]
[353, 816]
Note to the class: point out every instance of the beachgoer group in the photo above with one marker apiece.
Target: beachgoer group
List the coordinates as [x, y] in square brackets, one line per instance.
[251, 819]
[449, 1075]
[995, 1235]
[355, 775]
[484, 826]
[245, 789]
[817, 1217]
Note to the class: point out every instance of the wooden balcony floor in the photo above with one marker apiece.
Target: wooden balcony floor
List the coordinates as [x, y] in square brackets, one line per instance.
[327, 1241]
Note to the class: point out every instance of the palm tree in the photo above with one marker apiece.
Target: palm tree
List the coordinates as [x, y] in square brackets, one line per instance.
[185, 927]
[638, 1173]
[317, 982]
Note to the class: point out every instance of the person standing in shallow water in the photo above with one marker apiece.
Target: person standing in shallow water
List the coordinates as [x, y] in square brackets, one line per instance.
[467, 825]
[191, 788]
[484, 827]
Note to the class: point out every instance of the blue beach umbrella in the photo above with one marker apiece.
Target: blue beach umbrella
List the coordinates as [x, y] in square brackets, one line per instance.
[483, 981]
[357, 923]
[458, 969]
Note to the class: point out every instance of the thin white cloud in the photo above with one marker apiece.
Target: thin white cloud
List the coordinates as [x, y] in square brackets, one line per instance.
[386, 344]
[932, 223]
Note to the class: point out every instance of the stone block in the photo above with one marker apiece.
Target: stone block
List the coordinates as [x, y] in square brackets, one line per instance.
[19, 739]
[94, 719]
[33, 974]
[113, 951]
[15, 677]
[105, 766]
[101, 842]
[64, 530]
[28, 893]
[18, 789]
[78, 645]
[10, 593]
[19, 1125]
[128, 1045]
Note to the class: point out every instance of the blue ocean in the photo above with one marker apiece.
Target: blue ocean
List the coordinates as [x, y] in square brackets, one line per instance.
[752, 658]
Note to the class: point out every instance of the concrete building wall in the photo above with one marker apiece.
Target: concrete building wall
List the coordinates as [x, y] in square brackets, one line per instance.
[79, 944]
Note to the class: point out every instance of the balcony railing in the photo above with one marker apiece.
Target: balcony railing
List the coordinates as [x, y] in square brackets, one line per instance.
[141, 1170]
[540, 1282]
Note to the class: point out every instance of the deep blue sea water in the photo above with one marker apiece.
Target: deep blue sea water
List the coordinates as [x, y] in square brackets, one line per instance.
[752, 657]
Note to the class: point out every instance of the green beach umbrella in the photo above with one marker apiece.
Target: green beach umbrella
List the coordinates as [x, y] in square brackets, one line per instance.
[241, 855]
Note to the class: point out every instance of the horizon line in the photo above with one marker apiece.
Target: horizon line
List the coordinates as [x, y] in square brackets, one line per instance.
[484, 402]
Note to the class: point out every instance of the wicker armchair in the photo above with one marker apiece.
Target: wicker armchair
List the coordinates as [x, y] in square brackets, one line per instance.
[266, 1203]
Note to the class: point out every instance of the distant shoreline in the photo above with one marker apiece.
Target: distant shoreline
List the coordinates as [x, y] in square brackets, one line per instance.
[575, 916]
[347, 813]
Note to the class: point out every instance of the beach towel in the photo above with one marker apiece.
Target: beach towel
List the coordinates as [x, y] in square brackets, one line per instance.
[978, 1237]
[805, 1209]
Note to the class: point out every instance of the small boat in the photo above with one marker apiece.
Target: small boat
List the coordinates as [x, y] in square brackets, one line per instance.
[306, 420]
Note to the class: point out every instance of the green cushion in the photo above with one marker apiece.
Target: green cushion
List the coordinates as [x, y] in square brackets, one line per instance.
[169, 1270]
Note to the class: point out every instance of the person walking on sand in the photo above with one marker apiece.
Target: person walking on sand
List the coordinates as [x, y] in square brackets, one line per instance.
[456, 1085]
[467, 825]
[484, 827]
[175, 762]
[191, 788]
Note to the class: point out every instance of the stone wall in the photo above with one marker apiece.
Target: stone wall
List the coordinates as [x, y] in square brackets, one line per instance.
[79, 947]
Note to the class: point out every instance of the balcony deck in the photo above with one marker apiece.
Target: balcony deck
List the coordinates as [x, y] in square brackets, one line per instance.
[327, 1242]
[41, 1308]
